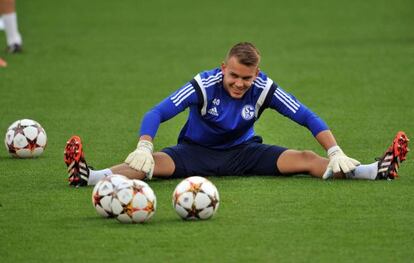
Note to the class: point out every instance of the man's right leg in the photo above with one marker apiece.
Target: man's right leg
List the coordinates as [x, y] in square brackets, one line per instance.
[164, 167]
[80, 174]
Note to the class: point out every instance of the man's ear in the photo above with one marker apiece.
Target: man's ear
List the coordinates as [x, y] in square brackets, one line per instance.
[223, 66]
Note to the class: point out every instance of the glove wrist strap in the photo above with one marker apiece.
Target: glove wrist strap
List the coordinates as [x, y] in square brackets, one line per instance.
[146, 146]
[333, 150]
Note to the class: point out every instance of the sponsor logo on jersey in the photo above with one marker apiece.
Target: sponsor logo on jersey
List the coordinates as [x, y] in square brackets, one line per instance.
[213, 111]
[247, 112]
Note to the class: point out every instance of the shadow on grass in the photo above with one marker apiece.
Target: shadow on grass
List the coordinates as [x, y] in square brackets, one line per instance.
[16, 159]
[154, 222]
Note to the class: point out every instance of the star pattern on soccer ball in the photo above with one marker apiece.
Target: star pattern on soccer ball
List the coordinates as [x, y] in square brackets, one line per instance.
[19, 129]
[214, 201]
[22, 139]
[193, 212]
[195, 187]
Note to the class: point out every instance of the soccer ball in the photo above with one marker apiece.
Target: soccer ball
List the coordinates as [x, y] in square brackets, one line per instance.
[104, 193]
[195, 198]
[135, 204]
[25, 139]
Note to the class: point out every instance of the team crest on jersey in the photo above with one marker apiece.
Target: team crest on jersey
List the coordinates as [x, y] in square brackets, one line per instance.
[248, 112]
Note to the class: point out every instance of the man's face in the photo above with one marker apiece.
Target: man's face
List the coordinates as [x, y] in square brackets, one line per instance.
[238, 78]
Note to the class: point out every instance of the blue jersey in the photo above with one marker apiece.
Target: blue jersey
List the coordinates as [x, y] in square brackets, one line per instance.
[218, 121]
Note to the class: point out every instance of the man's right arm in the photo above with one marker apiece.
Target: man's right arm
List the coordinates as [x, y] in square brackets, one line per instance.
[167, 109]
[141, 159]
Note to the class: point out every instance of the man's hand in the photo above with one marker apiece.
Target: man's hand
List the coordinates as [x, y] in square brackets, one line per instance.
[141, 159]
[338, 162]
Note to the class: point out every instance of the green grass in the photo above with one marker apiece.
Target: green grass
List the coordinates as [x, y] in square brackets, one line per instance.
[93, 68]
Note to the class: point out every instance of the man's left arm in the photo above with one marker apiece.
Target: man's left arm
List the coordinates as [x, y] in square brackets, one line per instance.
[338, 161]
[289, 106]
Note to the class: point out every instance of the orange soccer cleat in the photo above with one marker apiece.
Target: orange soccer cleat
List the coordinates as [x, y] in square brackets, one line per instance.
[74, 158]
[395, 154]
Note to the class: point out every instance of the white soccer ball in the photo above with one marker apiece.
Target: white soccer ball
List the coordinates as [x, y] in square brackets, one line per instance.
[104, 193]
[135, 204]
[25, 139]
[195, 198]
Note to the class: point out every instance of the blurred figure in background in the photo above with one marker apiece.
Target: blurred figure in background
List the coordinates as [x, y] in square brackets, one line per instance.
[9, 17]
[1, 24]
[3, 63]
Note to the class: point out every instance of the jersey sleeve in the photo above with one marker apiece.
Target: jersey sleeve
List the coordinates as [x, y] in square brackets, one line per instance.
[289, 106]
[168, 108]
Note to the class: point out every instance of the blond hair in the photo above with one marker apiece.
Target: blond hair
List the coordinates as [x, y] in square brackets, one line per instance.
[246, 54]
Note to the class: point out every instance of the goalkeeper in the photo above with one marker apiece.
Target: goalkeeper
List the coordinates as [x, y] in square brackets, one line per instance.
[219, 139]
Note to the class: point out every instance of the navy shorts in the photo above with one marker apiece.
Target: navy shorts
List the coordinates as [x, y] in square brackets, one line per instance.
[250, 158]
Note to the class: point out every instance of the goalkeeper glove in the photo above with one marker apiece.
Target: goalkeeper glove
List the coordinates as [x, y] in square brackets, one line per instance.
[141, 159]
[338, 162]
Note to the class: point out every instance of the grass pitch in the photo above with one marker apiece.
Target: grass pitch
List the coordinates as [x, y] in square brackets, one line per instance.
[93, 68]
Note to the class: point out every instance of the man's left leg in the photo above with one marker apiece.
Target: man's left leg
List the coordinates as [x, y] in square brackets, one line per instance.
[307, 162]
[293, 161]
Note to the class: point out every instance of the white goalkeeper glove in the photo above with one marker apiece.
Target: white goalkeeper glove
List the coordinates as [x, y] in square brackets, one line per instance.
[141, 159]
[338, 162]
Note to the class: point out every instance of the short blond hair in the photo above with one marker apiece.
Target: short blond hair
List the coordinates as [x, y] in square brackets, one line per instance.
[246, 53]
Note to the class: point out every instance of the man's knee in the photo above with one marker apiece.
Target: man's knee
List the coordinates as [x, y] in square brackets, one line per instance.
[309, 156]
[164, 164]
